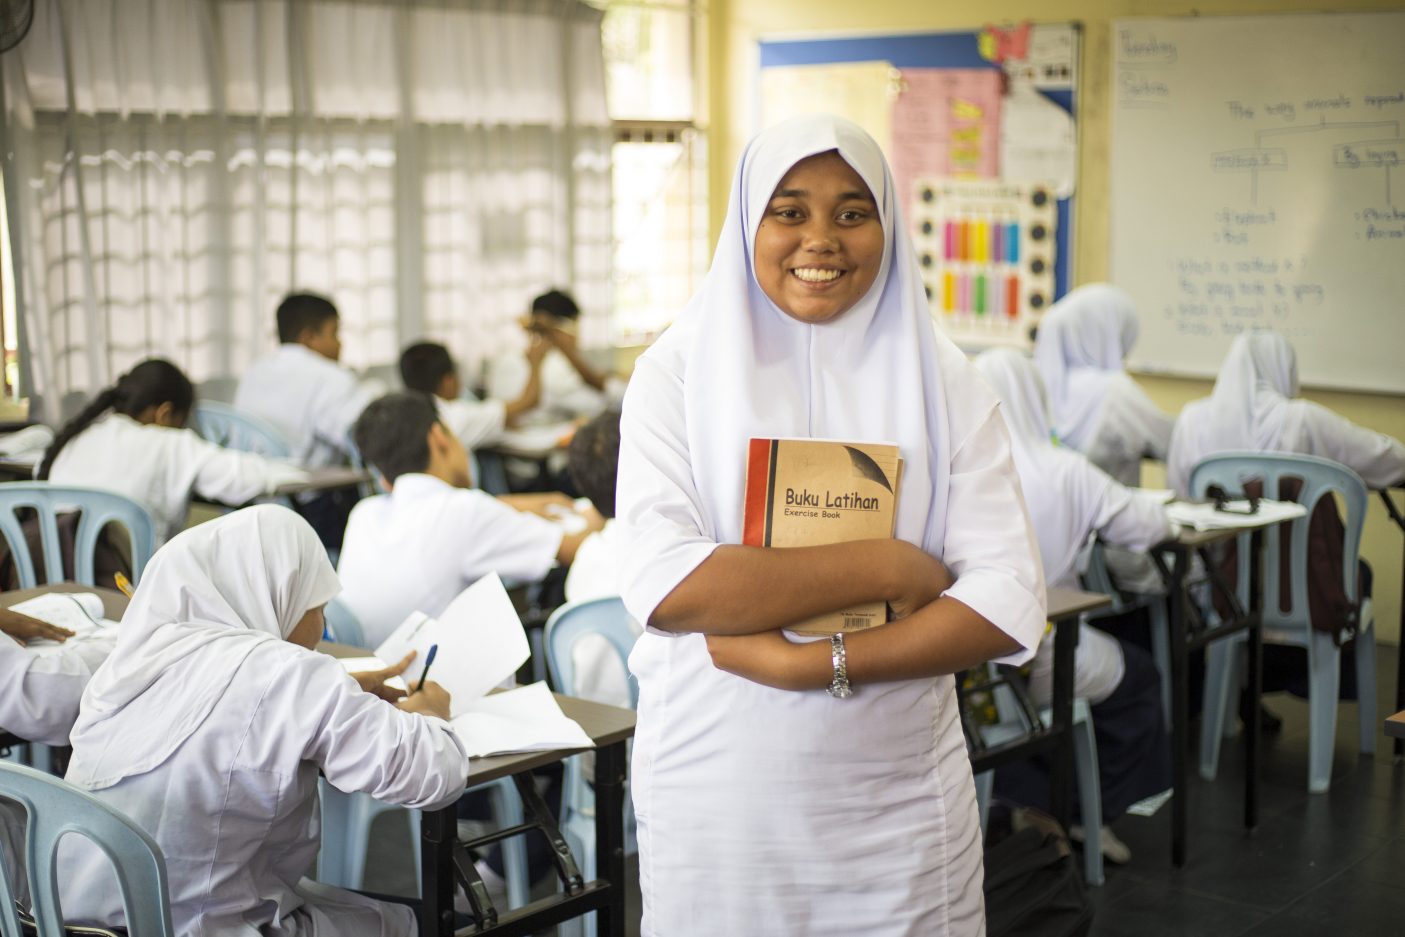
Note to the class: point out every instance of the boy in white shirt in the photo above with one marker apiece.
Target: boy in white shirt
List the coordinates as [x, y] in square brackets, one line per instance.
[310, 399]
[429, 368]
[433, 535]
[594, 464]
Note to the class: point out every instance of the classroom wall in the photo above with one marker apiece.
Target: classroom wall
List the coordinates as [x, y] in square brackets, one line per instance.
[735, 26]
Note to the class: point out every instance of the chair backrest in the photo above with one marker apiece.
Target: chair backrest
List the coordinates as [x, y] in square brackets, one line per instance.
[342, 625]
[97, 508]
[235, 429]
[1319, 478]
[574, 620]
[55, 808]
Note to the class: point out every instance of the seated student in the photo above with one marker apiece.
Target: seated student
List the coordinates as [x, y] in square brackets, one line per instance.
[210, 722]
[39, 692]
[594, 461]
[571, 388]
[1070, 499]
[433, 535]
[1098, 409]
[310, 399]
[1255, 407]
[132, 439]
[429, 368]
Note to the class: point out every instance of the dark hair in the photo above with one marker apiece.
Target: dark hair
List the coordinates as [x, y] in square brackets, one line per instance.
[301, 312]
[594, 460]
[558, 304]
[149, 384]
[392, 433]
[424, 365]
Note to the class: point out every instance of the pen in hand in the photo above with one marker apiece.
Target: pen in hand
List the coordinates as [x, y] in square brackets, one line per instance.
[428, 662]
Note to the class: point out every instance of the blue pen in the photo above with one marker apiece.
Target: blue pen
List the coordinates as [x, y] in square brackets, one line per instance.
[428, 662]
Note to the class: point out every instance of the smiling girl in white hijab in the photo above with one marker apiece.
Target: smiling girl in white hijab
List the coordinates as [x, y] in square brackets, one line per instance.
[1098, 409]
[766, 805]
[210, 721]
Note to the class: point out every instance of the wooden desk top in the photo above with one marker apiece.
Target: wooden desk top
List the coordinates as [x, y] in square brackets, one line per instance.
[114, 603]
[1395, 725]
[1065, 603]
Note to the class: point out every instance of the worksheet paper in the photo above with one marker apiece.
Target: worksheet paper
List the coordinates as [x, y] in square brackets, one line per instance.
[526, 719]
[1205, 517]
[481, 643]
[79, 612]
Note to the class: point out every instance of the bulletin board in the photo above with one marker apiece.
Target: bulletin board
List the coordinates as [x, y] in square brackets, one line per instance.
[980, 129]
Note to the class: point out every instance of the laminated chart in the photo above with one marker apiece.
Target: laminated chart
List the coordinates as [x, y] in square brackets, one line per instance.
[987, 250]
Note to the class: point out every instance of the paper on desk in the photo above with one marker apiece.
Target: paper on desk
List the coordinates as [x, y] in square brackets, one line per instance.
[480, 638]
[79, 612]
[363, 664]
[1205, 517]
[527, 719]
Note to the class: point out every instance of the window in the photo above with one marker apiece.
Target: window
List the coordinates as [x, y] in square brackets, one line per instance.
[659, 163]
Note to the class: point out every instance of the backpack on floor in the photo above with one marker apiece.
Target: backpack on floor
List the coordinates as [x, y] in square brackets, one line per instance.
[1033, 887]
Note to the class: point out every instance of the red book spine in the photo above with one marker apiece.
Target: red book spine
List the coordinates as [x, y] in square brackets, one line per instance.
[756, 514]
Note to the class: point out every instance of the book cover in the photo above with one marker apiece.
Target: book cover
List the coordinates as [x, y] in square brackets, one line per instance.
[813, 492]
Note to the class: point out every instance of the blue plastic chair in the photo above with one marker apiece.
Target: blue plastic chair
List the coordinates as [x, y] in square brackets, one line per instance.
[567, 625]
[97, 508]
[1097, 578]
[233, 428]
[1320, 478]
[347, 818]
[55, 808]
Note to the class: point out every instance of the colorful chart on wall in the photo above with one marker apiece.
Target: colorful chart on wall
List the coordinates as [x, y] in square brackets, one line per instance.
[980, 130]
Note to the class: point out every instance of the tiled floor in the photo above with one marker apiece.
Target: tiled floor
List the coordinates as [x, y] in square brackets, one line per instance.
[1325, 864]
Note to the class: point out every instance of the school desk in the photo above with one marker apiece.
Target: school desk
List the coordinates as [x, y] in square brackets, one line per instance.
[1395, 725]
[318, 479]
[445, 858]
[1398, 517]
[1189, 632]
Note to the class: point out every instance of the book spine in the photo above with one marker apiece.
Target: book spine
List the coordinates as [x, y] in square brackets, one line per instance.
[760, 483]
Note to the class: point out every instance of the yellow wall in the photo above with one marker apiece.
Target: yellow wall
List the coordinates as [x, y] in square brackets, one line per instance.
[736, 25]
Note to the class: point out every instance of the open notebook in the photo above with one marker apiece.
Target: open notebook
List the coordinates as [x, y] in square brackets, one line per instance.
[79, 612]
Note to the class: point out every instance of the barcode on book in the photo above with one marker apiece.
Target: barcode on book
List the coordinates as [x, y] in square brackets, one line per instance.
[855, 622]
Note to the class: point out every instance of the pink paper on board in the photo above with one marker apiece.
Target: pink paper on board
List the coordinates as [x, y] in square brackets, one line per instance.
[946, 122]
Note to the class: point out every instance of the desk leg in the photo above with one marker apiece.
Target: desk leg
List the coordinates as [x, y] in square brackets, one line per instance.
[1061, 770]
[609, 835]
[1256, 682]
[438, 829]
[1180, 714]
[1400, 659]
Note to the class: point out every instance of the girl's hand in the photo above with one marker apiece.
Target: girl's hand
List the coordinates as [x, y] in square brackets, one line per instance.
[920, 578]
[771, 660]
[373, 681]
[25, 629]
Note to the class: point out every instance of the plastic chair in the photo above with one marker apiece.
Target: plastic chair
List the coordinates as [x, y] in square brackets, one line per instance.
[232, 428]
[347, 818]
[97, 508]
[1320, 478]
[567, 625]
[55, 808]
[1012, 725]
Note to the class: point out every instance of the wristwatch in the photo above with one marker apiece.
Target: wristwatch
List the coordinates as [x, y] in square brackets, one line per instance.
[839, 687]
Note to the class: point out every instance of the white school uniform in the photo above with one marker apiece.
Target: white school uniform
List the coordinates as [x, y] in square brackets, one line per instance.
[564, 393]
[595, 574]
[208, 730]
[416, 548]
[39, 699]
[1255, 407]
[1097, 408]
[475, 422]
[311, 400]
[1070, 500]
[160, 468]
[763, 811]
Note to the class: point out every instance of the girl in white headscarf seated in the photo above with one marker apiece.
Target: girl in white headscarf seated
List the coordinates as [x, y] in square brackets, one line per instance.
[1097, 408]
[1071, 500]
[1255, 407]
[211, 719]
[765, 804]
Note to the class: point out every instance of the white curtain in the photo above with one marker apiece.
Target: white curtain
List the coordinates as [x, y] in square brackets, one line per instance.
[175, 166]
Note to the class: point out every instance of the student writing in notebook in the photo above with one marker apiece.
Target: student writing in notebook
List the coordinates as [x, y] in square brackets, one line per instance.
[211, 721]
[132, 438]
[433, 534]
[311, 399]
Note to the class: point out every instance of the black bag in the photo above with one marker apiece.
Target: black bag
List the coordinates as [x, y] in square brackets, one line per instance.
[1033, 887]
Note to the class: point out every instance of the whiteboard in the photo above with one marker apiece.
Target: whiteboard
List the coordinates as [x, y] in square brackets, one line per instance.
[1256, 181]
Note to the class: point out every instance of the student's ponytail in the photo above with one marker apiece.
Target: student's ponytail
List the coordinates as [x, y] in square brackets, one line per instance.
[149, 384]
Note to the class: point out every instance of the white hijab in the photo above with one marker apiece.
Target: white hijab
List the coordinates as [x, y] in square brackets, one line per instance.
[207, 599]
[874, 373]
[1249, 409]
[1079, 347]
